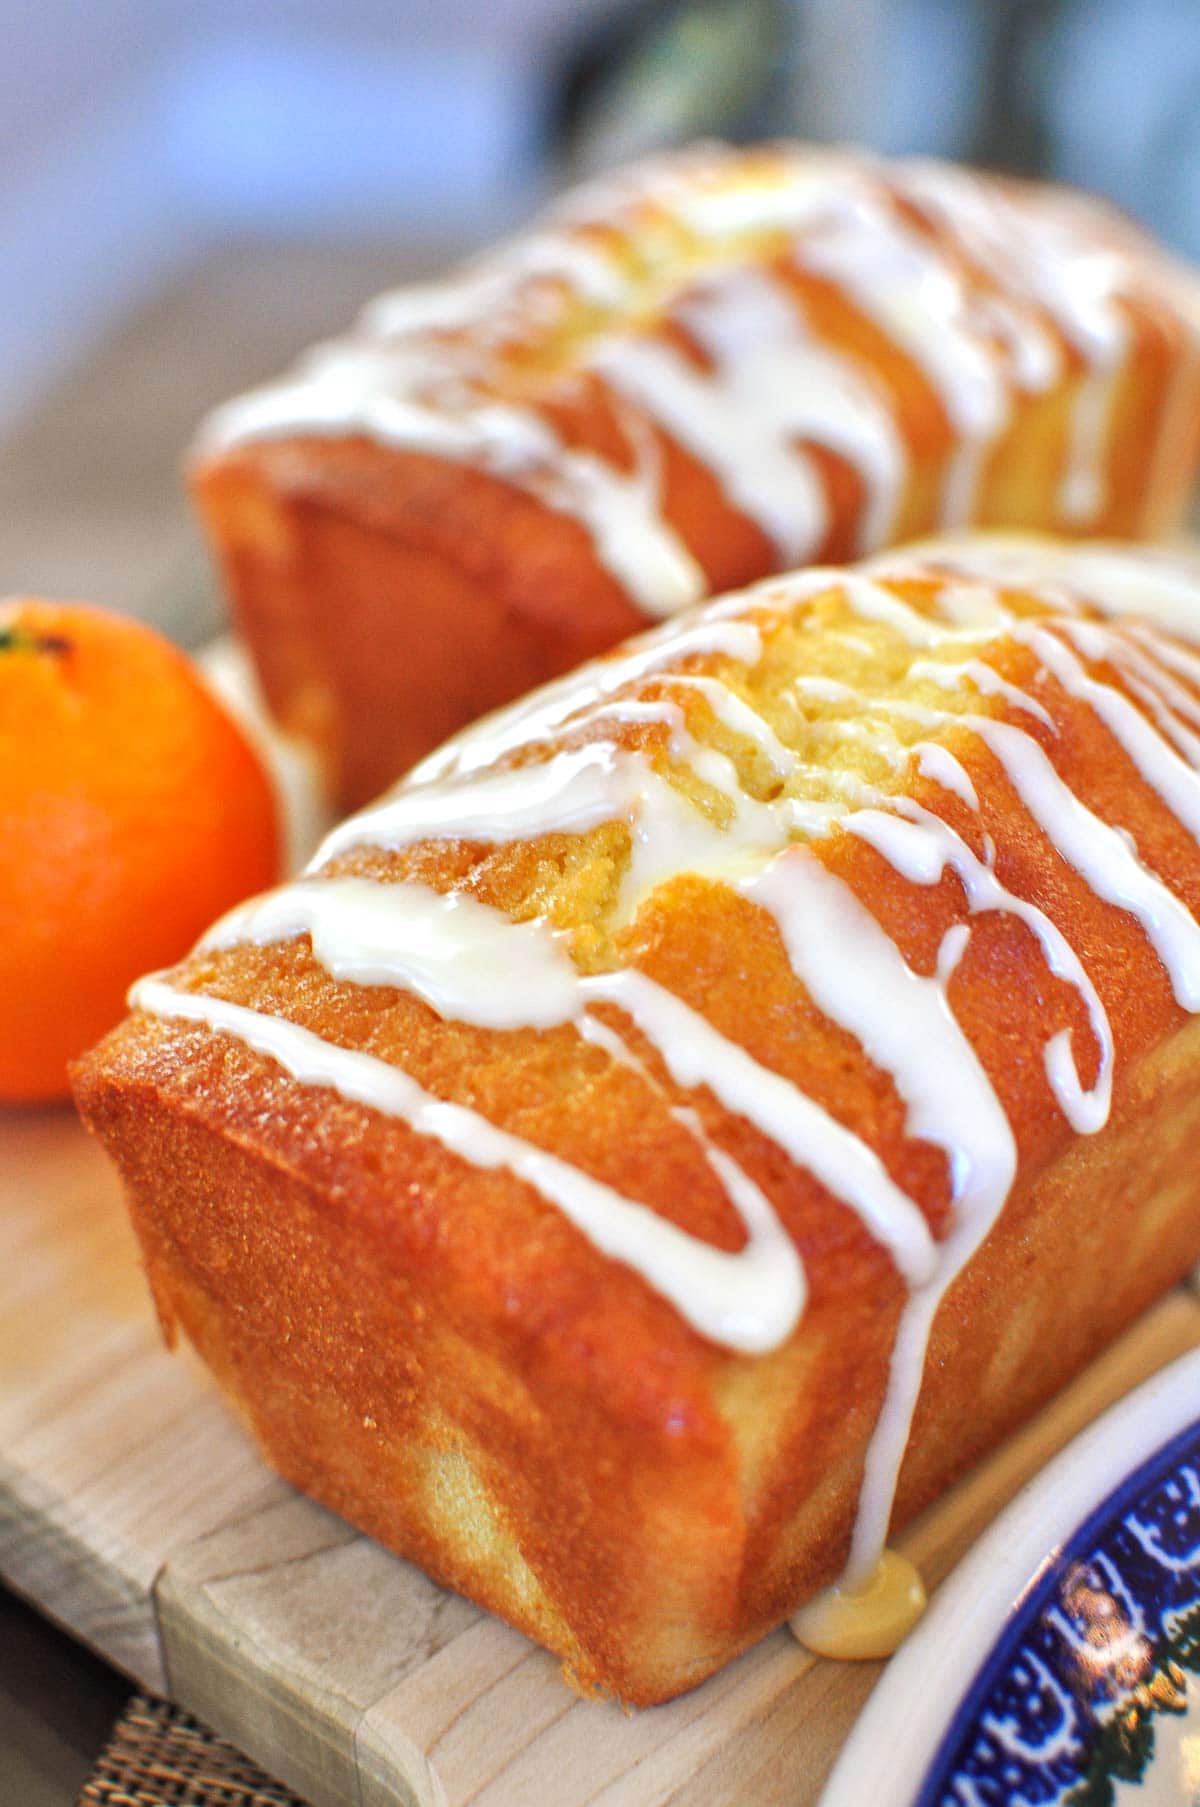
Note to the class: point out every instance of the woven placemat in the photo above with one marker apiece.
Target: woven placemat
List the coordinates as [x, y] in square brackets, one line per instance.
[159, 1756]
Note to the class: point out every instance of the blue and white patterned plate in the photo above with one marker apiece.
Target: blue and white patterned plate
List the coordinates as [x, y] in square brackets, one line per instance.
[1059, 1666]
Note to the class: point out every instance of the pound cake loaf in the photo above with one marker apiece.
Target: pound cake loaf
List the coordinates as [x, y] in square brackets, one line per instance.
[657, 1147]
[719, 365]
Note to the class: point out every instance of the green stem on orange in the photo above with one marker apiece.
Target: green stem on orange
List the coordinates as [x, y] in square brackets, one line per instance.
[22, 640]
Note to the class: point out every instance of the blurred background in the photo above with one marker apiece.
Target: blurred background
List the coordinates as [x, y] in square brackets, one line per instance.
[192, 190]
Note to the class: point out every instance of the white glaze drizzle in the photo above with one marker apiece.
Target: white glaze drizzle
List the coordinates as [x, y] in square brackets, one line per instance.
[847, 963]
[497, 282]
[921, 846]
[873, 602]
[341, 393]
[534, 717]
[1170, 701]
[1167, 718]
[1083, 306]
[750, 1299]
[1130, 653]
[464, 959]
[779, 199]
[695, 1054]
[1083, 492]
[916, 294]
[581, 790]
[1078, 295]
[439, 947]
[985, 679]
[772, 385]
[970, 303]
[1157, 585]
[938, 762]
[1177, 658]
[471, 963]
[1161, 767]
[569, 794]
[740, 718]
[1101, 855]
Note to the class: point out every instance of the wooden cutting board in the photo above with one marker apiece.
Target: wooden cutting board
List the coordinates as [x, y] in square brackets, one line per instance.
[134, 1511]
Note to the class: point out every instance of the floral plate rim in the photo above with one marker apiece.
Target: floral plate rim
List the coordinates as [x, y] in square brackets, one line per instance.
[901, 1731]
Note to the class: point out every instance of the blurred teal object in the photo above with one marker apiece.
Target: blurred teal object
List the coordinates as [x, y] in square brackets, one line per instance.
[661, 74]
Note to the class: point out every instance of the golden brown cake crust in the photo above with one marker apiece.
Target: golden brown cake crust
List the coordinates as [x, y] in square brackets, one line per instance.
[432, 1348]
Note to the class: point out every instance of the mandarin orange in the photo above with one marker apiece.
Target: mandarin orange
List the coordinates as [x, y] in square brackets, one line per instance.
[133, 811]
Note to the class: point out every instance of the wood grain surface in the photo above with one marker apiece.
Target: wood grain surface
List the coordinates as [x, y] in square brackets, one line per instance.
[134, 1511]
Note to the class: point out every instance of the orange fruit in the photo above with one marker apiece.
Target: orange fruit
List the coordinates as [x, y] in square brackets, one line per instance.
[133, 811]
